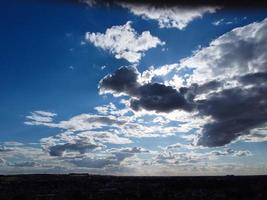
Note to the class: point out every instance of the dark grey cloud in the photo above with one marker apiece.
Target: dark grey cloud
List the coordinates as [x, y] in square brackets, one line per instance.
[124, 80]
[160, 98]
[78, 146]
[152, 96]
[235, 112]
[209, 86]
[254, 78]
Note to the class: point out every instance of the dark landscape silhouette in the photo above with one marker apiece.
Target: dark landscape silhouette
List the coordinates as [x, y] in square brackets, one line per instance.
[85, 187]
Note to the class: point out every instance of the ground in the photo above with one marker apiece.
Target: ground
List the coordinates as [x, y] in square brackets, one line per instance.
[84, 186]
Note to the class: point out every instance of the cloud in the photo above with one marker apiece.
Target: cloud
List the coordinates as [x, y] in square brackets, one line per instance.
[94, 162]
[235, 53]
[2, 162]
[222, 97]
[124, 80]
[259, 78]
[237, 105]
[124, 42]
[231, 152]
[231, 85]
[82, 122]
[114, 157]
[81, 142]
[223, 22]
[169, 17]
[78, 146]
[126, 152]
[179, 146]
[151, 96]
[160, 98]
[243, 153]
[234, 112]
[67, 143]
[24, 164]
[41, 116]
[4, 149]
[169, 158]
[256, 135]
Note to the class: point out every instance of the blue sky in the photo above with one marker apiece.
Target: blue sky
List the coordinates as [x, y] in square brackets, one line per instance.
[50, 84]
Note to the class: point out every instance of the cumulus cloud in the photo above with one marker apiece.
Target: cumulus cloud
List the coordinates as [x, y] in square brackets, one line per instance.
[169, 17]
[151, 96]
[227, 86]
[68, 142]
[224, 97]
[124, 42]
[234, 112]
[78, 146]
[235, 53]
[124, 80]
[81, 142]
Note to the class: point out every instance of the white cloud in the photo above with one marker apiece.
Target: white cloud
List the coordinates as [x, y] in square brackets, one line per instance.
[80, 122]
[41, 116]
[256, 135]
[122, 122]
[61, 144]
[184, 158]
[235, 53]
[231, 152]
[169, 17]
[124, 42]
[218, 22]
[148, 75]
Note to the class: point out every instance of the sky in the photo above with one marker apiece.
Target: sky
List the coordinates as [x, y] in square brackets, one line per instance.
[131, 89]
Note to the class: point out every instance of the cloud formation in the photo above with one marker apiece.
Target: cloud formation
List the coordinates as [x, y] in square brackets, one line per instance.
[113, 157]
[41, 116]
[235, 112]
[151, 96]
[124, 42]
[169, 17]
[237, 60]
[78, 146]
[227, 86]
[81, 142]
[238, 52]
